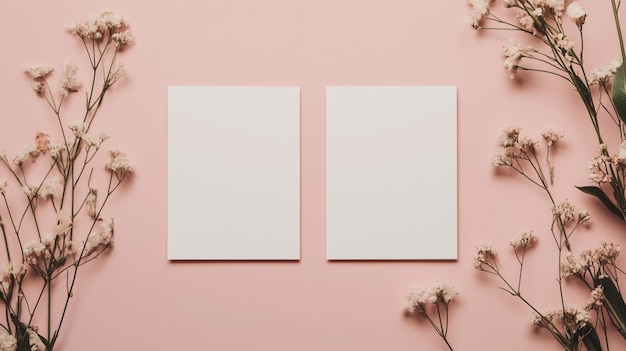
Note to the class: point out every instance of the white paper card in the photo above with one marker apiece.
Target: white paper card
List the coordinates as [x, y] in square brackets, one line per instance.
[391, 177]
[233, 173]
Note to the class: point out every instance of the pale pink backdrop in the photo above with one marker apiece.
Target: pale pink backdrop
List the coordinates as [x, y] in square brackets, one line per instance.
[135, 299]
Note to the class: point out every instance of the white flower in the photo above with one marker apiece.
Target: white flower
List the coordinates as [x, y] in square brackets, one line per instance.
[7, 341]
[438, 292]
[551, 137]
[69, 82]
[79, 128]
[119, 164]
[601, 75]
[35, 341]
[524, 240]
[513, 54]
[38, 72]
[622, 151]
[25, 154]
[103, 237]
[576, 13]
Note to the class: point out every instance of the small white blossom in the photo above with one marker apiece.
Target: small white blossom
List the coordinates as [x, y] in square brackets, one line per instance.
[38, 72]
[524, 240]
[601, 75]
[551, 137]
[7, 341]
[119, 164]
[25, 154]
[576, 13]
[436, 293]
[69, 82]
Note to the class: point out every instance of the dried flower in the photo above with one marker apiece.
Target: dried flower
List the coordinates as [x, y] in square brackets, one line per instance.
[42, 141]
[119, 164]
[37, 87]
[480, 8]
[122, 39]
[621, 154]
[501, 159]
[69, 82]
[544, 319]
[38, 72]
[509, 136]
[35, 341]
[565, 44]
[575, 318]
[97, 26]
[79, 128]
[551, 137]
[64, 222]
[483, 254]
[601, 75]
[49, 188]
[527, 22]
[56, 148]
[94, 142]
[90, 203]
[29, 190]
[438, 292]
[102, 238]
[34, 251]
[598, 167]
[596, 299]
[564, 212]
[25, 154]
[513, 54]
[7, 341]
[590, 260]
[524, 240]
[3, 186]
[527, 144]
[577, 13]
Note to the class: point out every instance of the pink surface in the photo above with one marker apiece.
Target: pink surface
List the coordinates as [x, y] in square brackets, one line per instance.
[135, 299]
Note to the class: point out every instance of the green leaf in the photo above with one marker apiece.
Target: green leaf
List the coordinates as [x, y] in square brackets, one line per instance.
[590, 338]
[613, 301]
[597, 192]
[618, 93]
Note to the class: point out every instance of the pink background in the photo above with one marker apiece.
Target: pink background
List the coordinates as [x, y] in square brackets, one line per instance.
[135, 299]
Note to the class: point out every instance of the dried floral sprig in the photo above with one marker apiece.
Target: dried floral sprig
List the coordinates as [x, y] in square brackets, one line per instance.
[58, 250]
[554, 51]
[432, 303]
[554, 48]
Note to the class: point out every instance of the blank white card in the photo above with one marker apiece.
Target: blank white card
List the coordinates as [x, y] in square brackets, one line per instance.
[233, 173]
[391, 176]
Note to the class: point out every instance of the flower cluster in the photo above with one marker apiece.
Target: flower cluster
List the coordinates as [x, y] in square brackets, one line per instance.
[606, 168]
[565, 212]
[101, 239]
[480, 9]
[602, 75]
[438, 296]
[436, 293]
[98, 26]
[516, 147]
[540, 18]
[590, 260]
[573, 318]
[485, 254]
[524, 240]
[119, 164]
